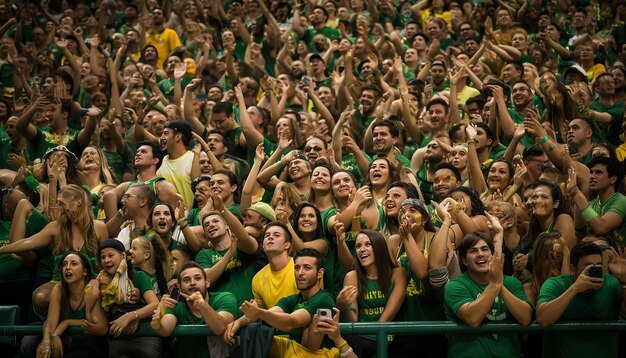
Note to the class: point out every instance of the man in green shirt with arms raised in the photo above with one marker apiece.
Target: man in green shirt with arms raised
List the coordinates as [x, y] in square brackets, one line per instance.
[482, 294]
[196, 306]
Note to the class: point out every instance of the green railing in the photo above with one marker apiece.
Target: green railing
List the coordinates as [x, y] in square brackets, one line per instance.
[383, 329]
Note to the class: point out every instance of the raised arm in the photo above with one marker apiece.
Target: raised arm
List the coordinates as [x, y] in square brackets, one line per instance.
[245, 242]
[297, 23]
[85, 134]
[476, 177]
[188, 112]
[253, 137]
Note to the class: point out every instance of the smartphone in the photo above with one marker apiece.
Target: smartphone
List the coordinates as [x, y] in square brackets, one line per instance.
[596, 271]
[201, 96]
[175, 294]
[306, 81]
[323, 312]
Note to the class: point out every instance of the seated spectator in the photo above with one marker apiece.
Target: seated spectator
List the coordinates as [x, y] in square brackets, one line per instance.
[196, 306]
[587, 294]
[482, 294]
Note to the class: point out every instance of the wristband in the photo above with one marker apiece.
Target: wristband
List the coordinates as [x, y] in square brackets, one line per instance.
[544, 139]
[82, 111]
[346, 353]
[589, 214]
[281, 166]
[31, 182]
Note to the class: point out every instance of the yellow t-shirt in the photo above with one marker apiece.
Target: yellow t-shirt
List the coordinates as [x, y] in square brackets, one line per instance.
[178, 172]
[268, 286]
[428, 13]
[164, 41]
[594, 71]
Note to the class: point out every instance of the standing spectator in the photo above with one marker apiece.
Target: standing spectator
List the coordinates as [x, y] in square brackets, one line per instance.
[162, 38]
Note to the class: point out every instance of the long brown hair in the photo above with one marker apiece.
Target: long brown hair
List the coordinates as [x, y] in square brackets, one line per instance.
[63, 241]
[545, 257]
[65, 290]
[383, 264]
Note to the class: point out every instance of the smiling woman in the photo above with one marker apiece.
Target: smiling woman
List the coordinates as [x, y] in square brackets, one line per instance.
[380, 289]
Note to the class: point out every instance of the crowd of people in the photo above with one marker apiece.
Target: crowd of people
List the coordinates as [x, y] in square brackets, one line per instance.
[270, 168]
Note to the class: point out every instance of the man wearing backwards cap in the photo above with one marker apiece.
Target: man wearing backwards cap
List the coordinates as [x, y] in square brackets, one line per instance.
[177, 166]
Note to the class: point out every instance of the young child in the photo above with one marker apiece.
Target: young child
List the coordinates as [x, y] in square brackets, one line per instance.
[153, 259]
[114, 281]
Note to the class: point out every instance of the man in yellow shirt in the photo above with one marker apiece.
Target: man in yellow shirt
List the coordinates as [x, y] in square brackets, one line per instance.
[164, 39]
[276, 280]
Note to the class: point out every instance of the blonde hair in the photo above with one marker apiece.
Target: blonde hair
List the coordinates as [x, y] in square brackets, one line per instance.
[85, 222]
[160, 256]
[106, 175]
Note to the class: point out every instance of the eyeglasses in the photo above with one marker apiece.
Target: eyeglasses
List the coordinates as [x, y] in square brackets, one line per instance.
[443, 178]
[126, 196]
[315, 149]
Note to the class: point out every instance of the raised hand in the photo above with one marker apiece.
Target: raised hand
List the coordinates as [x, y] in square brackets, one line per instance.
[180, 70]
[346, 296]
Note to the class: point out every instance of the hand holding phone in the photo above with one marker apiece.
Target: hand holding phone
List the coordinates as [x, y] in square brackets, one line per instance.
[596, 271]
[324, 312]
[175, 294]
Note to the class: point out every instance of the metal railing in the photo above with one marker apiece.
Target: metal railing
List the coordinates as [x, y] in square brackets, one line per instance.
[381, 330]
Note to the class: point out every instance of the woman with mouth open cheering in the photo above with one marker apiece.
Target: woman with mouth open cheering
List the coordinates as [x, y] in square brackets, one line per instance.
[373, 291]
[68, 308]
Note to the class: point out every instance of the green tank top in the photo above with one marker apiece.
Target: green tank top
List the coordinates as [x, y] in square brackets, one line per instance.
[372, 305]
[78, 340]
[418, 305]
[151, 183]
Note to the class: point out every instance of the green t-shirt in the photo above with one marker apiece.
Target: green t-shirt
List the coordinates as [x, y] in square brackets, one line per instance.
[601, 305]
[167, 86]
[616, 203]
[372, 305]
[120, 162]
[196, 346]
[527, 139]
[235, 209]
[6, 148]
[11, 270]
[406, 162]
[461, 290]
[45, 140]
[330, 33]
[290, 304]
[497, 151]
[236, 278]
[608, 132]
[142, 281]
[236, 149]
[348, 162]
